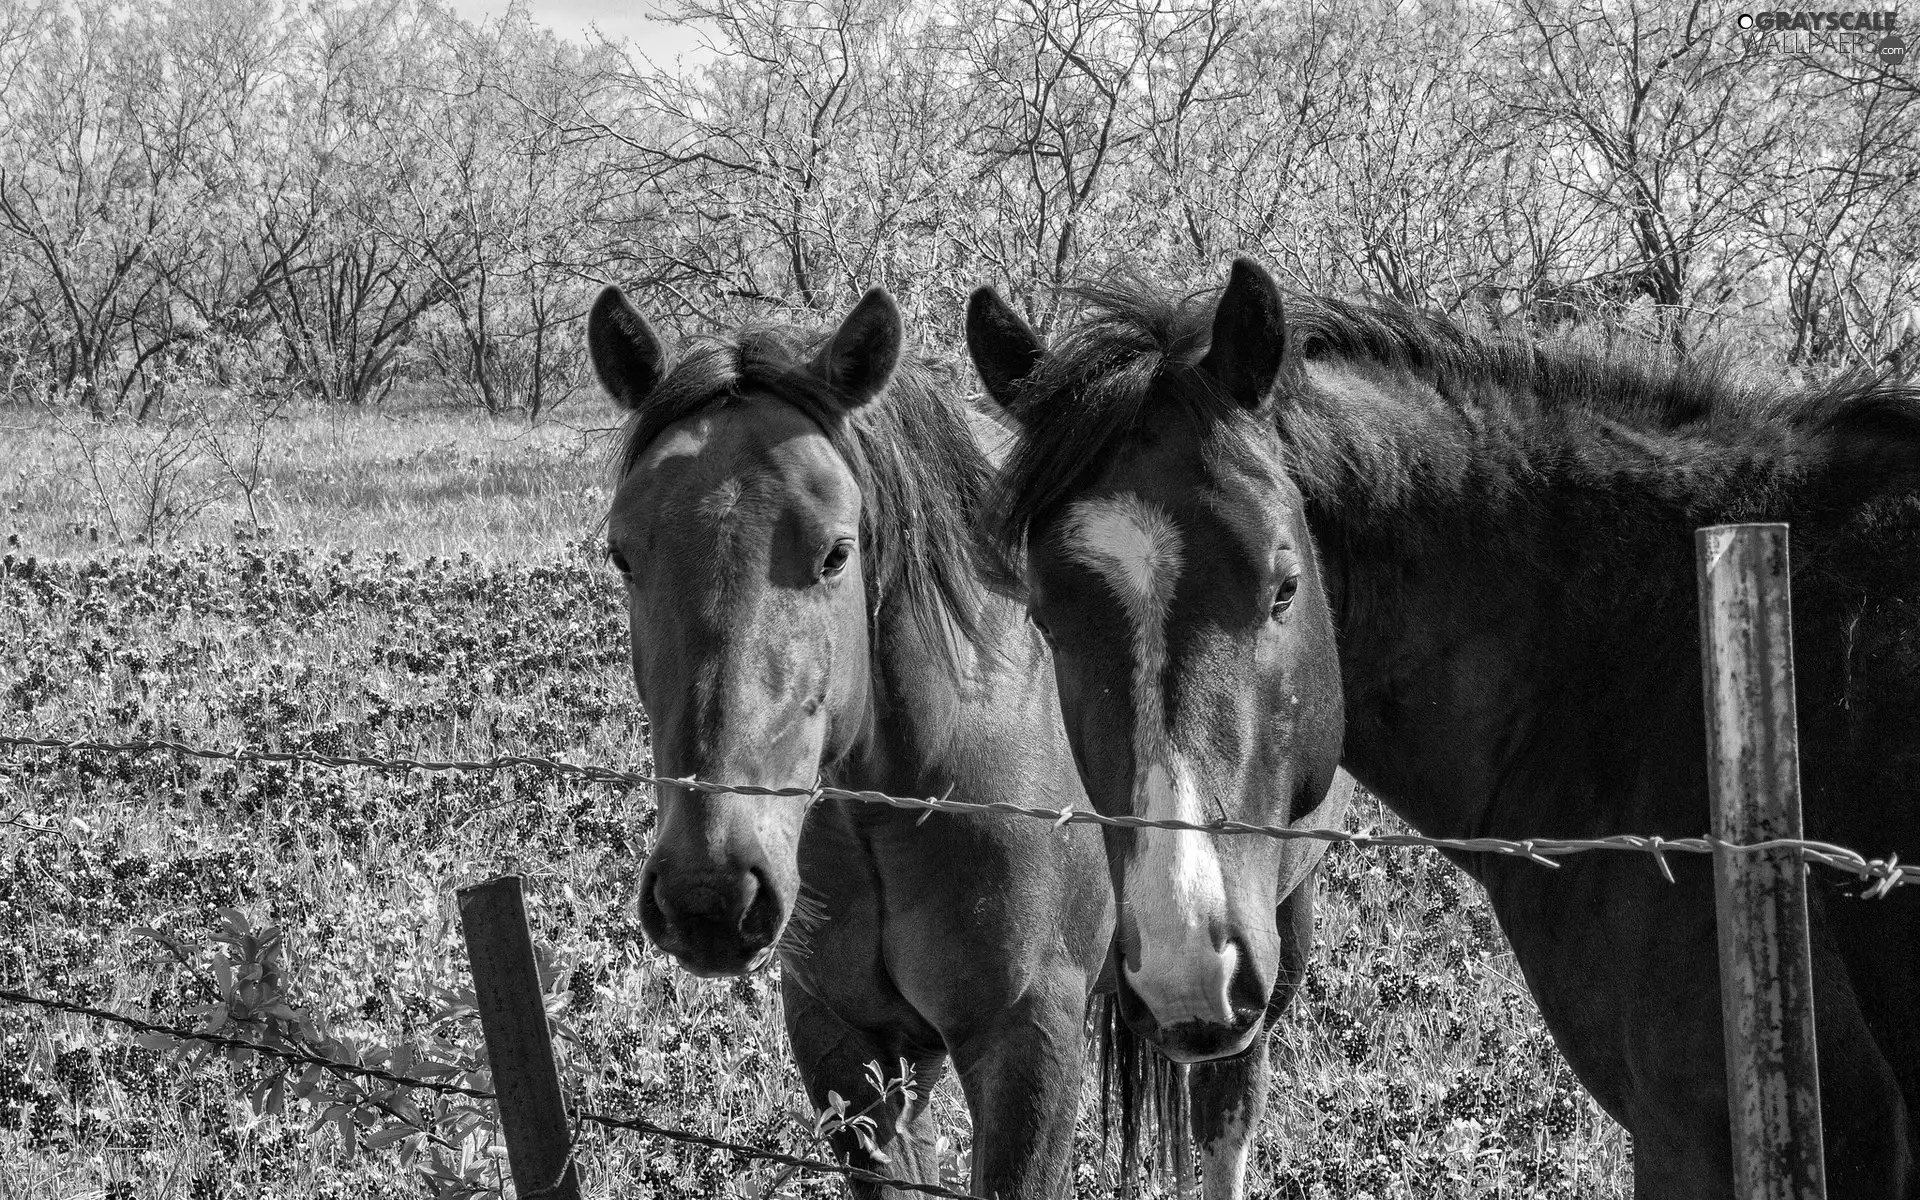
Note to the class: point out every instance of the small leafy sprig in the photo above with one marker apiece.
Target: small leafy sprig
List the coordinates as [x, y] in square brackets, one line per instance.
[450, 1139]
[836, 1117]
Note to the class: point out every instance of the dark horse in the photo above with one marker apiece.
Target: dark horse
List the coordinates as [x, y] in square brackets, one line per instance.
[1501, 539]
[796, 522]
[1183, 698]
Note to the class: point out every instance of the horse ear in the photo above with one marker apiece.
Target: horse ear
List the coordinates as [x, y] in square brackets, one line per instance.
[860, 356]
[626, 354]
[1004, 349]
[1249, 335]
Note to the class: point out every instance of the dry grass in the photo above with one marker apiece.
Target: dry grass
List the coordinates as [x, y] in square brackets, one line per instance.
[1415, 1066]
[413, 478]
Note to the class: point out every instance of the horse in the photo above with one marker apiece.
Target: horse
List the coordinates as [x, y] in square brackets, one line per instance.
[1499, 538]
[794, 520]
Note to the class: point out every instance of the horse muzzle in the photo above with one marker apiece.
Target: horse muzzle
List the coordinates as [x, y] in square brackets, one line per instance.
[713, 922]
[1184, 1034]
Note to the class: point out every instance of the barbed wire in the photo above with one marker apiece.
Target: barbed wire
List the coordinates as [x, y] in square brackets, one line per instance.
[286, 1053]
[1884, 874]
[631, 1124]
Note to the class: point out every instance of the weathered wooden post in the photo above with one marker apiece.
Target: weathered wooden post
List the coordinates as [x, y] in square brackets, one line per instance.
[513, 1017]
[1753, 769]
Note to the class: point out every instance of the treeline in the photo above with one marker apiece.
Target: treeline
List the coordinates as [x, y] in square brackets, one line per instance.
[331, 196]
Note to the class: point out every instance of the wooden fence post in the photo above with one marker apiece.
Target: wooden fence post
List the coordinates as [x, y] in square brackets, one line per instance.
[513, 1016]
[1753, 769]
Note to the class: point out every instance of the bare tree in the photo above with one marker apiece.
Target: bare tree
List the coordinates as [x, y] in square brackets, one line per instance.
[337, 194]
[1642, 113]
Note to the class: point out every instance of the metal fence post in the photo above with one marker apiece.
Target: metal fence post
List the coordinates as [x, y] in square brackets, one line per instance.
[513, 1016]
[1753, 769]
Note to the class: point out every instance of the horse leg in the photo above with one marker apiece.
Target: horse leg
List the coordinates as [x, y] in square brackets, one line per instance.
[833, 1056]
[1021, 1075]
[1635, 1004]
[1863, 1116]
[1229, 1096]
[1866, 1120]
[1880, 940]
[1624, 970]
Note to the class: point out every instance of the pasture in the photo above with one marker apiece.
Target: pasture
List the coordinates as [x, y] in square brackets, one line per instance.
[414, 582]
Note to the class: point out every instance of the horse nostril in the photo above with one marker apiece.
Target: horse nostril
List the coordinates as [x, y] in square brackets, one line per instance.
[744, 896]
[762, 916]
[655, 901]
[655, 919]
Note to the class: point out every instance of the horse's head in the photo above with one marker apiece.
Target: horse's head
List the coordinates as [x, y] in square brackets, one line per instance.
[1167, 559]
[736, 524]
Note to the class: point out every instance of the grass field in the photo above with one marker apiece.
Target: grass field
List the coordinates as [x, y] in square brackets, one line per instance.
[423, 583]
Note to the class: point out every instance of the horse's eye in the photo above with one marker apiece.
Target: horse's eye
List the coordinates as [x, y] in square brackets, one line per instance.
[836, 560]
[618, 560]
[1283, 599]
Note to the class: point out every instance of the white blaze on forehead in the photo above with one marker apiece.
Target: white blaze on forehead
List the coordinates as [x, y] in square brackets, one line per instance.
[1135, 547]
[682, 441]
[1174, 891]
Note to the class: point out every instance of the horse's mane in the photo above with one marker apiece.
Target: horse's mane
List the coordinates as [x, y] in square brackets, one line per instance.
[1403, 418]
[923, 478]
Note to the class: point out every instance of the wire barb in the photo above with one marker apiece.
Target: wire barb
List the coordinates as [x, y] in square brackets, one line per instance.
[1656, 847]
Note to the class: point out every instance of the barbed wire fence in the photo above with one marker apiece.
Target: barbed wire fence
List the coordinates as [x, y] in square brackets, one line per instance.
[1881, 876]
[295, 1056]
[441, 1087]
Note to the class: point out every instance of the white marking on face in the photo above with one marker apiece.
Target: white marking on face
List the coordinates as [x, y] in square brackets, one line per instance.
[686, 441]
[1173, 883]
[1223, 1163]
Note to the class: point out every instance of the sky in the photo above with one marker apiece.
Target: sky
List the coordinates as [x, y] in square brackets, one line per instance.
[631, 20]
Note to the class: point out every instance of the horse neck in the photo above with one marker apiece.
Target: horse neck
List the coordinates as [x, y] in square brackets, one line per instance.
[936, 719]
[1504, 665]
[924, 725]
